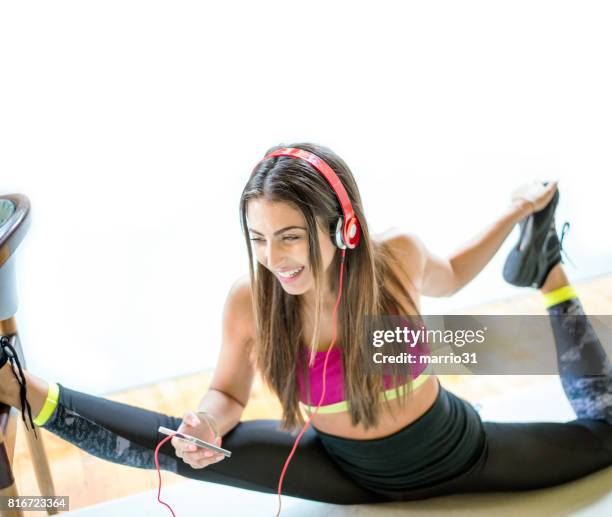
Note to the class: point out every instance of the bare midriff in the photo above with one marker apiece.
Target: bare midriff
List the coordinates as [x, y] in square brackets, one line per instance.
[393, 415]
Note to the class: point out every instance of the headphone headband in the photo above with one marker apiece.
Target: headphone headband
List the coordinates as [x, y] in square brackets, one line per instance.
[348, 227]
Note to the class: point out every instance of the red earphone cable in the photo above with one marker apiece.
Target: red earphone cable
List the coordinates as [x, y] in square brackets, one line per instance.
[297, 440]
[159, 472]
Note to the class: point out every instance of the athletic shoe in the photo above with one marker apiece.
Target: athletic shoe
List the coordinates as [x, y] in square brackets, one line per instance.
[538, 249]
[8, 354]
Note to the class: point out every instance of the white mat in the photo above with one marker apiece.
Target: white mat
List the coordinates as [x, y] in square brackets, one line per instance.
[589, 496]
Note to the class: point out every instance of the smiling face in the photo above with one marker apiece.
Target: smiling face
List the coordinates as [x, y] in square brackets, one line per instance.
[280, 241]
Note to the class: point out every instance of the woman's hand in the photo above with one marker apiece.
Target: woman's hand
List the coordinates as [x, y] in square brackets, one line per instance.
[197, 457]
[534, 194]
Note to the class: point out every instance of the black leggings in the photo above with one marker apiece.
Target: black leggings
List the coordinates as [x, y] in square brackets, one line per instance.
[501, 456]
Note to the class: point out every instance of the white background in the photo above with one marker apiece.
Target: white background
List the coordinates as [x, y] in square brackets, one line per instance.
[133, 126]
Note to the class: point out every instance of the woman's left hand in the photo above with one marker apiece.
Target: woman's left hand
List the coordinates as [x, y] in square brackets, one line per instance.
[535, 194]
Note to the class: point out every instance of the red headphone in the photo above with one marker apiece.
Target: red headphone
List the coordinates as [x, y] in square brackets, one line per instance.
[347, 229]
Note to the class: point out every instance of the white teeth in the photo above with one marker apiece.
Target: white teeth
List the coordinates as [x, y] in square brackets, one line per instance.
[289, 274]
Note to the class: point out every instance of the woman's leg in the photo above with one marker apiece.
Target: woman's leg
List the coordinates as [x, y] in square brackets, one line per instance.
[584, 368]
[523, 456]
[128, 436]
[527, 456]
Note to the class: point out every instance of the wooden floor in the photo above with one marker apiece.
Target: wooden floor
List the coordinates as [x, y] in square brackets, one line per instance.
[89, 480]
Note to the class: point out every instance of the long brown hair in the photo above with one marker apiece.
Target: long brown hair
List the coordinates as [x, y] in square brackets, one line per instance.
[367, 279]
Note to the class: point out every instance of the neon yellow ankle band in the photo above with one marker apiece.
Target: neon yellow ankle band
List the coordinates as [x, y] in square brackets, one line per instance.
[567, 292]
[50, 405]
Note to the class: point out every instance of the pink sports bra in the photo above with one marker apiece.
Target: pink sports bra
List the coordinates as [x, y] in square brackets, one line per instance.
[334, 401]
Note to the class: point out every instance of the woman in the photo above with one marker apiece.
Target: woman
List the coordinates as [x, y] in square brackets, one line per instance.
[422, 441]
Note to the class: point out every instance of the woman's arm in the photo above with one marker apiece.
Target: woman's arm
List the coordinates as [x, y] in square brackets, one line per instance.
[233, 377]
[445, 278]
[437, 276]
[225, 410]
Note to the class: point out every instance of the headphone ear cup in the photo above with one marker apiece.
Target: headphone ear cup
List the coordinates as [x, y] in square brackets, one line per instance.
[339, 238]
[352, 234]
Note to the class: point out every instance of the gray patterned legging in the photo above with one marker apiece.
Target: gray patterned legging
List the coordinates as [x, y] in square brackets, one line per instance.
[516, 456]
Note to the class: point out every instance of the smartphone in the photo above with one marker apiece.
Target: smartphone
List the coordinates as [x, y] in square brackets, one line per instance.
[194, 440]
